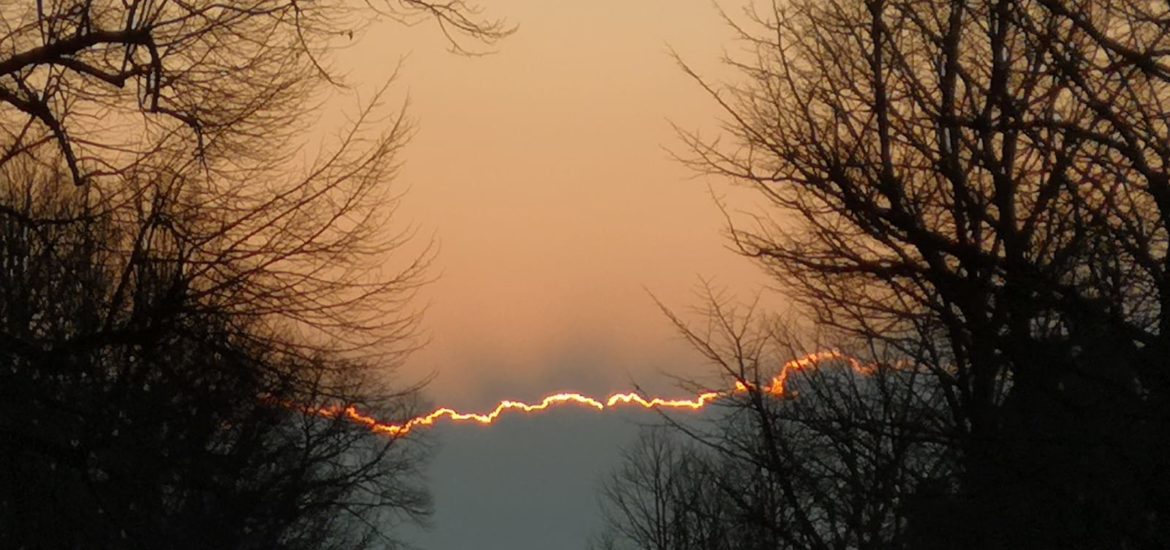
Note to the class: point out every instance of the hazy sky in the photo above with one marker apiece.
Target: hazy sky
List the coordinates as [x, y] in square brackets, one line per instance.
[543, 172]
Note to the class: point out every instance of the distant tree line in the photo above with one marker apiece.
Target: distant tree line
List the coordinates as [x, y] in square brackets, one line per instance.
[182, 281]
[972, 197]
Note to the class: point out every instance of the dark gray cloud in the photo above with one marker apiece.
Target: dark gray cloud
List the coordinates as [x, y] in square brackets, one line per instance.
[525, 483]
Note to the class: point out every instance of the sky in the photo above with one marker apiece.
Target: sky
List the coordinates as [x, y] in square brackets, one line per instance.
[544, 173]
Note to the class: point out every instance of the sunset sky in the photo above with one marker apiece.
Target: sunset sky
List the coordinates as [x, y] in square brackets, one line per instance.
[584, 275]
[544, 173]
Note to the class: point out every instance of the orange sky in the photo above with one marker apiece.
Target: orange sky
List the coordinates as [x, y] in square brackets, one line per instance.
[543, 172]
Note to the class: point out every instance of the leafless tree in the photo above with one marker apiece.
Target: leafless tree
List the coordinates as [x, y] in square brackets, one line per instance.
[977, 190]
[113, 85]
[144, 402]
[829, 462]
[664, 497]
[185, 287]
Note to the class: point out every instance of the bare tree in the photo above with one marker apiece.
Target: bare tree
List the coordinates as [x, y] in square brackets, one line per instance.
[114, 85]
[664, 497]
[160, 355]
[977, 191]
[171, 325]
[825, 457]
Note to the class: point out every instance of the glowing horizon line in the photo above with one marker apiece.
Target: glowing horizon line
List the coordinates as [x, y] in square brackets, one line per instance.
[775, 388]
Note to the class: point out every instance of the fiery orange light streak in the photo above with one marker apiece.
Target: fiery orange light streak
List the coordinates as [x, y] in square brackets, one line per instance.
[775, 388]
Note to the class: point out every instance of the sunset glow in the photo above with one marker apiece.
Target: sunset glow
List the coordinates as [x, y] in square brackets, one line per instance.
[775, 388]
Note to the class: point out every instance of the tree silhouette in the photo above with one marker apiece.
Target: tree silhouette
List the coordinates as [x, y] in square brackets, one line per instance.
[827, 464]
[665, 497]
[147, 400]
[184, 289]
[975, 193]
[117, 85]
